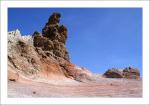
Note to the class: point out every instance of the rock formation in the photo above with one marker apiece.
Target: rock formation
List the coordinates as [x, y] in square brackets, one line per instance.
[113, 73]
[129, 73]
[39, 66]
[78, 73]
[53, 30]
[53, 38]
[43, 55]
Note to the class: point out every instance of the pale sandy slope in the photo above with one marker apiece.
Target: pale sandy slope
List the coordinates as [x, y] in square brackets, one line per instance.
[102, 87]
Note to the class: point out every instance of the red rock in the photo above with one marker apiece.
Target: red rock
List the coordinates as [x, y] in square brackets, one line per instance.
[78, 73]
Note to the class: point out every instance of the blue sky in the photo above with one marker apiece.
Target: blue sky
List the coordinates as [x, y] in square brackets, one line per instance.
[98, 38]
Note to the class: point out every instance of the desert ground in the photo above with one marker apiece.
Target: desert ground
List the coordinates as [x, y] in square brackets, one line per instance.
[101, 87]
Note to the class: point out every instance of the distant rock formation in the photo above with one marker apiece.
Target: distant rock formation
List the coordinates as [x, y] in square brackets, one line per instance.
[43, 55]
[129, 73]
[113, 73]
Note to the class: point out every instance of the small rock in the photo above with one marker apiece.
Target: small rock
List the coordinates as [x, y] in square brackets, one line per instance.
[12, 75]
[34, 92]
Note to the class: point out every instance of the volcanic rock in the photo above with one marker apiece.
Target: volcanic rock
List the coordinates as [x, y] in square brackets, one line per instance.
[113, 73]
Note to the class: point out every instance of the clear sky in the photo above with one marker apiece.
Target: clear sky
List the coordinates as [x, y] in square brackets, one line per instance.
[98, 38]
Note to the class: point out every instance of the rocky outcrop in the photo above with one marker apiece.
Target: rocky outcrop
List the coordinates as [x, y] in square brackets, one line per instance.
[53, 38]
[113, 73]
[22, 56]
[78, 73]
[53, 30]
[43, 55]
[129, 73]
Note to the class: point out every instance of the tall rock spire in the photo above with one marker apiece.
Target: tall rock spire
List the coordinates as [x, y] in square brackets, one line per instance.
[53, 38]
[53, 30]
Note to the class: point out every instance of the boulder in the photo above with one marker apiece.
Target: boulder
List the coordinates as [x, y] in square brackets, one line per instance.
[131, 73]
[113, 73]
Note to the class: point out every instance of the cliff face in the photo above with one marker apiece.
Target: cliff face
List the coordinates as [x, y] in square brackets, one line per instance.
[43, 55]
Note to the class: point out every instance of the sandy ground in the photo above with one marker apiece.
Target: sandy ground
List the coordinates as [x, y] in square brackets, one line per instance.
[102, 87]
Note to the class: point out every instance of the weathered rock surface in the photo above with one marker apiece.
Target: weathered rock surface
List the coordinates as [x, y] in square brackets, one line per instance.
[78, 73]
[53, 30]
[113, 73]
[53, 38]
[13, 75]
[129, 73]
[44, 55]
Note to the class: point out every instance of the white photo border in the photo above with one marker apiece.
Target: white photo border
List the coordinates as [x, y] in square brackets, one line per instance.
[74, 4]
